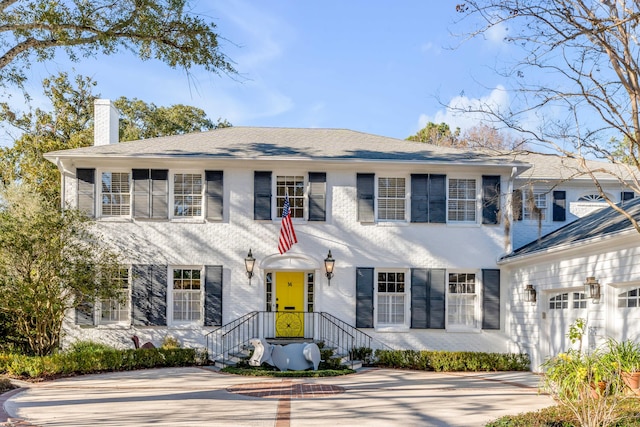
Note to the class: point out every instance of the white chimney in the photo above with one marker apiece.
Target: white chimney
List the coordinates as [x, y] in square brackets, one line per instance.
[106, 118]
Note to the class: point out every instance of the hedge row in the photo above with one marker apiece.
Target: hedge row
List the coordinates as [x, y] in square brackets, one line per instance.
[452, 361]
[87, 362]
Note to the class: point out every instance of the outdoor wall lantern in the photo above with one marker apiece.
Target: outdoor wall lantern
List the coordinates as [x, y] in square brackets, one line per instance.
[329, 262]
[592, 289]
[249, 264]
[530, 294]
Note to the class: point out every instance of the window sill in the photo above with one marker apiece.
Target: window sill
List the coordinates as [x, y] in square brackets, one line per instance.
[392, 329]
[462, 224]
[392, 223]
[189, 325]
[197, 220]
[115, 325]
[115, 219]
[462, 330]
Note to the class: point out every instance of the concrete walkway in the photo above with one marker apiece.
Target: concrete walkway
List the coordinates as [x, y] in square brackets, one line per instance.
[203, 397]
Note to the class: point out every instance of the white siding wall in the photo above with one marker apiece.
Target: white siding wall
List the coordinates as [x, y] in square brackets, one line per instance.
[402, 245]
[615, 264]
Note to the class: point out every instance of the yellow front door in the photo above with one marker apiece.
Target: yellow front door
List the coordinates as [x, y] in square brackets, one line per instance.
[289, 304]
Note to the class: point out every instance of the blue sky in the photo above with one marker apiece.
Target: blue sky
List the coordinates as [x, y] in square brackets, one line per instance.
[374, 66]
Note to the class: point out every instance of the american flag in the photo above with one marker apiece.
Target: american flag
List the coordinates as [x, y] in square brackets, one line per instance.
[287, 233]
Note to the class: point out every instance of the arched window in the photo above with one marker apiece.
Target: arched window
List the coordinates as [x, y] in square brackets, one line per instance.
[591, 198]
[559, 302]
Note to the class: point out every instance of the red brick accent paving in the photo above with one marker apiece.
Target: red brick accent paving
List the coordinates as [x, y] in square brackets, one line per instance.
[285, 390]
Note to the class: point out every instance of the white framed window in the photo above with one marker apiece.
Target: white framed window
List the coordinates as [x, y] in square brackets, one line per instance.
[591, 198]
[462, 301]
[391, 298]
[579, 300]
[187, 195]
[629, 299]
[293, 186]
[559, 302]
[462, 200]
[115, 193]
[535, 205]
[117, 310]
[186, 295]
[391, 200]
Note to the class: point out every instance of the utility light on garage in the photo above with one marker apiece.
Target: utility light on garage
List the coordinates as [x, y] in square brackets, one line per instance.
[530, 294]
[592, 289]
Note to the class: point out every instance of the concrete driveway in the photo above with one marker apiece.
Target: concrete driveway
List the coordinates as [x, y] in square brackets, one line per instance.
[203, 397]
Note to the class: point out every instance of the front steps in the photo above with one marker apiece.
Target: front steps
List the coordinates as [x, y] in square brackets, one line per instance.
[234, 358]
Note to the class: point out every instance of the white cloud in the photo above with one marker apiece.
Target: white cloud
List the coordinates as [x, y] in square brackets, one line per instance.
[497, 33]
[460, 111]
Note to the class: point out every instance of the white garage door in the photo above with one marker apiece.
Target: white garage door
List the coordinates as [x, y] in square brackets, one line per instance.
[563, 309]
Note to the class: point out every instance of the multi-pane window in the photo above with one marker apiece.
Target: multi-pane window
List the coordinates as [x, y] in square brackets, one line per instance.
[116, 310]
[294, 187]
[310, 291]
[629, 299]
[462, 200]
[116, 194]
[579, 300]
[187, 195]
[187, 295]
[461, 300]
[535, 206]
[559, 302]
[391, 199]
[391, 298]
[269, 290]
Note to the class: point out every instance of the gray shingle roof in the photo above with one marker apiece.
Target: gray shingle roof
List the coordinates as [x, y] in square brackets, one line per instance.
[603, 222]
[284, 143]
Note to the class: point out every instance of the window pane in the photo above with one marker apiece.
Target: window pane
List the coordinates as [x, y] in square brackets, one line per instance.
[461, 204]
[116, 195]
[462, 300]
[391, 298]
[294, 187]
[187, 195]
[391, 199]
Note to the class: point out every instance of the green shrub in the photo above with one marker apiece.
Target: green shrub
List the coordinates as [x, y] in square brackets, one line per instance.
[451, 361]
[170, 342]
[91, 359]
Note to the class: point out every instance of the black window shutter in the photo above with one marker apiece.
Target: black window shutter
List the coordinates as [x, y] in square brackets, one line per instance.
[436, 285]
[490, 299]
[516, 205]
[559, 205]
[317, 196]
[215, 195]
[490, 199]
[626, 195]
[262, 195]
[159, 193]
[213, 295]
[86, 191]
[419, 297]
[438, 198]
[366, 197]
[85, 314]
[419, 198]
[141, 196]
[149, 295]
[364, 298]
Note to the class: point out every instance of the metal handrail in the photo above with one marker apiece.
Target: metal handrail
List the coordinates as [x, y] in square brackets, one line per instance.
[234, 336]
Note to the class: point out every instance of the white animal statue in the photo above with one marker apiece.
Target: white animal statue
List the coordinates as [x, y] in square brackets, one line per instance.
[296, 357]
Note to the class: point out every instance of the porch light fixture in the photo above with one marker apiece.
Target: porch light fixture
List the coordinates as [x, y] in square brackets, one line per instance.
[530, 294]
[329, 262]
[592, 289]
[249, 264]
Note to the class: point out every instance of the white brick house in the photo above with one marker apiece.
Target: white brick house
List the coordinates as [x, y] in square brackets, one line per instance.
[416, 232]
